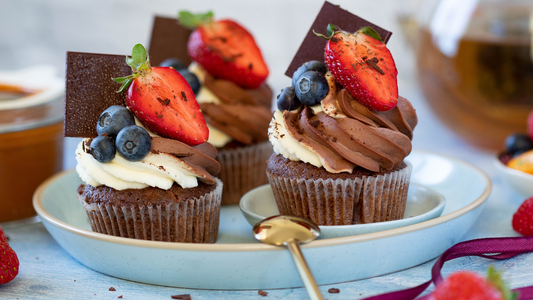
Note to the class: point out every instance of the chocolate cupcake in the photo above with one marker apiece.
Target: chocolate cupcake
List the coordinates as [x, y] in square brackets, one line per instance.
[169, 195]
[147, 169]
[339, 162]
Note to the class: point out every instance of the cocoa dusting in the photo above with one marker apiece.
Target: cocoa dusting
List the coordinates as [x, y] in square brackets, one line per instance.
[181, 297]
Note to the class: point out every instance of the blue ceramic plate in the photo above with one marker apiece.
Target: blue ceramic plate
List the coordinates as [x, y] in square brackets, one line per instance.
[422, 204]
[238, 261]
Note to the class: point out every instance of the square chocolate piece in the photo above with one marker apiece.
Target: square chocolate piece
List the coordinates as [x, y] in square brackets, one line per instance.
[90, 90]
[169, 39]
[312, 47]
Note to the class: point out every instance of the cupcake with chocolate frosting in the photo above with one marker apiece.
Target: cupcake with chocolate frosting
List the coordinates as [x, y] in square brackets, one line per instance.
[341, 137]
[234, 98]
[150, 172]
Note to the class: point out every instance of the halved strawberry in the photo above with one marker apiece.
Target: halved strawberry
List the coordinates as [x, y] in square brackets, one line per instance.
[469, 285]
[163, 100]
[364, 66]
[9, 262]
[225, 50]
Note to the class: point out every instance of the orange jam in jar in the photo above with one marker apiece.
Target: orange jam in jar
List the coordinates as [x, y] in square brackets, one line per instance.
[31, 145]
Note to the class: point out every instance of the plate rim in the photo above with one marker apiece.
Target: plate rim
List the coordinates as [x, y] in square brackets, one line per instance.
[243, 247]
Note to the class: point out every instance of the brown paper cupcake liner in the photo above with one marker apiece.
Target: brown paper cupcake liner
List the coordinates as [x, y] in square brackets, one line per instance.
[367, 199]
[190, 221]
[242, 169]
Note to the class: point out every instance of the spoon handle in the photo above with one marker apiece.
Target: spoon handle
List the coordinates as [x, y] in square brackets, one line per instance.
[303, 269]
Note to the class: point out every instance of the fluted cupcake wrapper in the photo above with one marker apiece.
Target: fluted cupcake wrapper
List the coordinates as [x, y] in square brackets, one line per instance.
[190, 221]
[368, 199]
[242, 169]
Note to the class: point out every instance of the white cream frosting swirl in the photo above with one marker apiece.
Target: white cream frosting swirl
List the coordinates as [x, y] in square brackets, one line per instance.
[286, 145]
[156, 169]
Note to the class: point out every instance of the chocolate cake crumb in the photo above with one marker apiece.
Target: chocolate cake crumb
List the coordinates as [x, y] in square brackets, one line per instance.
[262, 293]
[112, 289]
[334, 291]
[182, 297]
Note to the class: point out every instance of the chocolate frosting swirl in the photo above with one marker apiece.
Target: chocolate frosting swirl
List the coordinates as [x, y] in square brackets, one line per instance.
[243, 114]
[199, 160]
[347, 134]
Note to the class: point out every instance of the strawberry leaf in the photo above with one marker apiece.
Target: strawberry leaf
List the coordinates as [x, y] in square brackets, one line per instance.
[191, 20]
[139, 61]
[139, 54]
[126, 81]
[370, 32]
[331, 29]
[495, 278]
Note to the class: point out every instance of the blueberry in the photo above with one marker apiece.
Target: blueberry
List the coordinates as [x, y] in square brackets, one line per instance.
[113, 119]
[174, 63]
[313, 65]
[133, 143]
[103, 148]
[191, 78]
[518, 143]
[311, 87]
[287, 99]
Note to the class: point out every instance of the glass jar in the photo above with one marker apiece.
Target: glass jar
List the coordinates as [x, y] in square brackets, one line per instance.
[475, 66]
[31, 144]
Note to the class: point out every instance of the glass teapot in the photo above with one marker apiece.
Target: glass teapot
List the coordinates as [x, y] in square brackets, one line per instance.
[475, 66]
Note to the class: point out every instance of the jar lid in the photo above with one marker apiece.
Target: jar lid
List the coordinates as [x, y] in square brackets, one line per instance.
[35, 99]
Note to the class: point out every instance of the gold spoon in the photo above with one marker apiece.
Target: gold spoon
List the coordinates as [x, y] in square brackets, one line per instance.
[290, 231]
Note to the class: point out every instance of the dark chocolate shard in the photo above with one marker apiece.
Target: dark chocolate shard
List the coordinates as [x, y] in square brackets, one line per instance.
[312, 48]
[169, 39]
[90, 90]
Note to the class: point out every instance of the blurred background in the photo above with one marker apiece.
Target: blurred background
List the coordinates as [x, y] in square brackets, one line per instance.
[36, 32]
[464, 64]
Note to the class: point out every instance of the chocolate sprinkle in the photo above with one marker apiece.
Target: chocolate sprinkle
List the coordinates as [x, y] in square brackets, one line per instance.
[312, 48]
[169, 39]
[181, 297]
[334, 291]
[374, 64]
[262, 293]
[112, 289]
[90, 90]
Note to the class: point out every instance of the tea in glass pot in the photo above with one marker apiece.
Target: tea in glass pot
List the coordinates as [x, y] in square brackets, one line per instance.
[475, 67]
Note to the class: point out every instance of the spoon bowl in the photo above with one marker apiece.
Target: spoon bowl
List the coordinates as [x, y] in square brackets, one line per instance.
[290, 231]
[277, 230]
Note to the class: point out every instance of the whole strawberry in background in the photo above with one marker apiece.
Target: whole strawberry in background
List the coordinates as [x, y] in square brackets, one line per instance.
[466, 285]
[9, 262]
[523, 218]
[225, 49]
[363, 65]
[163, 100]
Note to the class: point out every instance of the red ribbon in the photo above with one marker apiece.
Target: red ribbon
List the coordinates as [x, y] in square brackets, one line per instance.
[493, 248]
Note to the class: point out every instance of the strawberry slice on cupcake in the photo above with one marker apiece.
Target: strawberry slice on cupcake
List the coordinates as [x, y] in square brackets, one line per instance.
[163, 100]
[363, 65]
[225, 49]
